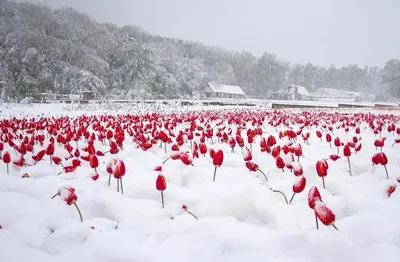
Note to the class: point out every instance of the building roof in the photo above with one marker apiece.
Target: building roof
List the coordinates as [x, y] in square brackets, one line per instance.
[302, 90]
[226, 89]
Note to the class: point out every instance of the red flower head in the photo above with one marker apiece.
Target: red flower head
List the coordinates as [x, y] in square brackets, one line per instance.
[93, 161]
[95, 177]
[337, 142]
[325, 215]
[212, 153]
[321, 168]
[251, 166]
[186, 159]
[76, 162]
[358, 147]
[271, 141]
[247, 156]
[158, 168]
[391, 189]
[383, 159]
[232, 142]
[119, 169]
[299, 185]
[297, 169]
[334, 157]
[218, 158]
[110, 166]
[313, 196]
[346, 150]
[6, 157]
[328, 138]
[50, 149]
[68, 195]
[203, 148]
[280, 164]
[376, 159]
[276, 151]
[161, 184]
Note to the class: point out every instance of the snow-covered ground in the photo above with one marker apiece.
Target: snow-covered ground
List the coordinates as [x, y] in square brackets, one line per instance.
[239, 217]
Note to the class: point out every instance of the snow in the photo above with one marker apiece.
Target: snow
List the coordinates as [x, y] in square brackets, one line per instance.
[226, 89]
[239, 219]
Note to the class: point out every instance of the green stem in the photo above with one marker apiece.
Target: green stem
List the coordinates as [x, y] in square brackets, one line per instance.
[215, 172]
[265, 176]
[162, 198]
[192, 215]
[348, 160]
[291, 199]
[122, 188]
[335, 227]
[280, 192]
[117, 185]
[323, 182]
[7, 169]
[109, 180]
[387, 174]
[316, 220]
[166, 160]
[77, 208]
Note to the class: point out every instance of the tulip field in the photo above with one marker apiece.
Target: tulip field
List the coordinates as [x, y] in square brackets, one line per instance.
[200, 184]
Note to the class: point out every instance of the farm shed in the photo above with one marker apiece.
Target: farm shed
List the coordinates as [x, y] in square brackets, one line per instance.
[223, 91]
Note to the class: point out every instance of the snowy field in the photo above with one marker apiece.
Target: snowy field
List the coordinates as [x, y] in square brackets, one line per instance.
[238, 217]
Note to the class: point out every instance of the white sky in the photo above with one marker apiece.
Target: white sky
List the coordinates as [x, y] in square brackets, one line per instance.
[363, 32]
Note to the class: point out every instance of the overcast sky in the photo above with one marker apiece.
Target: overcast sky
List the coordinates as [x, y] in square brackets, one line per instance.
[363, 32]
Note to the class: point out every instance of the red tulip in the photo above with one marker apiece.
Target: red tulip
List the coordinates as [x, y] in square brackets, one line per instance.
[298, 186]
[69, 196]
[337, 143]
[322, 170]
[297, 169]
[232, 144]
[319, 135]
[380, 142]
[358, 147]
[346, 151]
[203, 149]
[276, 151]
[186, 209]
[280, 164]
[7, 159]
[376, 159]
[217, 161]
[158, 168]
[254, 168]
[161, 185]
[391, 189]
[94, 162]
[218, 158]
[313, 196]
[95, 176]
[247, 156]
[324, 214]
[334, 157]
[380, 158]
[186, 159]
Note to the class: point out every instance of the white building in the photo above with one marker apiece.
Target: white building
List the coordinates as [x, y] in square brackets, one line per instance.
[223, 91]
[297, 92]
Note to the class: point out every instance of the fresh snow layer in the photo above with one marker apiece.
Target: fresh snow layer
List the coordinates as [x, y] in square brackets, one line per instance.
[240, 219]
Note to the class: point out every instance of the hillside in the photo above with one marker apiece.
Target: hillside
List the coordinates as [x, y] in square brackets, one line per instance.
[64, 51]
